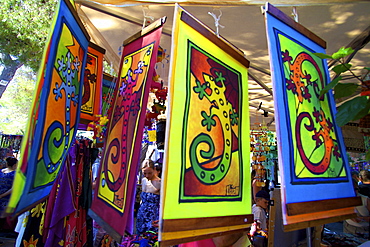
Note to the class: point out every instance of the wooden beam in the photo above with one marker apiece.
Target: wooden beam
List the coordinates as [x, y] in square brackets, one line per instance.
[116, 14]
[177, 231]
[322, 205]
[295, 25]
[173, 238]
[303, 221]
[221, 42]
[158, 23]
[171, 225]
[96, 47]
[262, 70]
[259, 82]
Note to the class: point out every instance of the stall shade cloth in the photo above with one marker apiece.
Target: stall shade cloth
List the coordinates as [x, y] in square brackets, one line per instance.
[92, 86]
[312, 157]
[207, 161]
[55, 111]
[224, 2]
[115, 192]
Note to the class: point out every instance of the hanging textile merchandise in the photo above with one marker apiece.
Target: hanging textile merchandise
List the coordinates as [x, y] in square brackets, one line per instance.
[63, 218]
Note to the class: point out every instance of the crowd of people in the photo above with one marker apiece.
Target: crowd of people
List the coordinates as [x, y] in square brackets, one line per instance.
[148, 213]
[147, 216]
[8, 165]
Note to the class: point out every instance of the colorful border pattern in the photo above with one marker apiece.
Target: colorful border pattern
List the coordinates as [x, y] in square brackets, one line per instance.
[55, 112]
[315, 149]
[116, 188]
[312, 158]
[211, 165]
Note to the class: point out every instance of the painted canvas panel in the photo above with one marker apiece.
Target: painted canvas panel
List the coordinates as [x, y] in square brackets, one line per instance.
[108, 89]
[116, 187]
[311, 119]
[211, 165]
[312, 157]
[55, 111]
[207, 162]
[92, 87]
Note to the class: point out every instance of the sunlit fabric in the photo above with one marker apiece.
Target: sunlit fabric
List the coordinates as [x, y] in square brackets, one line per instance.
[207, 164]
[55, 112]
[115, 192]
[312, 156]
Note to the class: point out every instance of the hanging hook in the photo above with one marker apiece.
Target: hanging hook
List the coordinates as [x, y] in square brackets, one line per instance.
[217, 20]
[295, 14]
[146, 15]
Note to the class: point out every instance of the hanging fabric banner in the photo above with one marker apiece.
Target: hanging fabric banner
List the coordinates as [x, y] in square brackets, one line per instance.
[312, 158]
[109, 87]
[115, 191]
[92, 87]
[55, 112]
[206, 165]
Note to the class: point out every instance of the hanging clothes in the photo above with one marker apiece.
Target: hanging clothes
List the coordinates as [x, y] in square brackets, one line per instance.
[33, 233]
[77, 234]
[60, 203]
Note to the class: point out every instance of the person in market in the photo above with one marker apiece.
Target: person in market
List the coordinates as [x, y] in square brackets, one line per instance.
[355, 177]
[6, 182]
[3, 152]
[259, 209]
[364, 186]
[255, 185]
[150, 197]
[158, 169]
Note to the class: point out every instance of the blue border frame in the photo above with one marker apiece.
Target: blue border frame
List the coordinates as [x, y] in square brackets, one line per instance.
[303, 191]
[31, 196]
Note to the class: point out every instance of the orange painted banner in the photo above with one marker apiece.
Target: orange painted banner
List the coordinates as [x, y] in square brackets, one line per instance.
[92, 87]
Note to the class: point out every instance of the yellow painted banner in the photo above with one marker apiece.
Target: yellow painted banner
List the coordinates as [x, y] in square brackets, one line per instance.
[207, 149]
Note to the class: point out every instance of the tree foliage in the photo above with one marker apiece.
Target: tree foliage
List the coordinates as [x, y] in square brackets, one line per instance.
[24, 28]
[16, 102]
[358, 105]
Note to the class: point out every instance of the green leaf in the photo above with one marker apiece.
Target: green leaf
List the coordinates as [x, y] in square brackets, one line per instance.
[329, 86]
[345, 90]
[350, 109]
[342, 52]
[323, 56]
[364, 111]
[367, 156]
[367, 68]
[340, 68]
